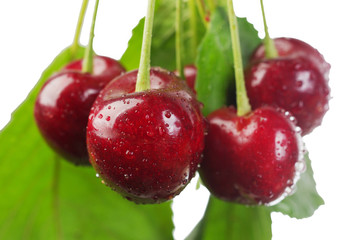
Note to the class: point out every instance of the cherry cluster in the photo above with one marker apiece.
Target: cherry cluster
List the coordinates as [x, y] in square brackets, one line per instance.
[148, 144]
[258, 157]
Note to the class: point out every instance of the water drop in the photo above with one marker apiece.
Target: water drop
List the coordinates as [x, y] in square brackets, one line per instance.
[150, 133]
[161, 131]
[168, 114]
[108, 118]
[100, 116]
[129, 154]
[300, 166]
[299, 83]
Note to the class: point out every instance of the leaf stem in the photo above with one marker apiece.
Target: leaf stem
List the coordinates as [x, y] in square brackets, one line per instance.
[179, 32]
[75, 45]
[270, 49]
[143, 76]
[242, 100]
[55, 188]
[193, 27]
[88, 56]
[201, 10]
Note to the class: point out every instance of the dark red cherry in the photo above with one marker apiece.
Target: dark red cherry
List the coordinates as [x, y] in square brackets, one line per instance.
[251, 159]
[104, 67]
[146, 145]
[190, 72]
[293, 84]
[294, 48]
[62, 107]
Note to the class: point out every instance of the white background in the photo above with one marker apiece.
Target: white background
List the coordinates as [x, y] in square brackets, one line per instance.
[33, 32]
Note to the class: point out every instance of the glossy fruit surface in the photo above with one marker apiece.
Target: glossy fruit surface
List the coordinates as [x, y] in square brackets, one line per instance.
[294, 48]
[146, 145]
[190, 72]
[62, 107]
[293, 84]
[251, 159]
[104, 67]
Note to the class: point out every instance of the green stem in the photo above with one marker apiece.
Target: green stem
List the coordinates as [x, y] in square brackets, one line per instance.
[88, 56]
[178, 30]
[193, 27]
[143, 76]
[200, 8]
[211, 5]
[75, 45]
[242, 100]
[270, 49]
[55, 188]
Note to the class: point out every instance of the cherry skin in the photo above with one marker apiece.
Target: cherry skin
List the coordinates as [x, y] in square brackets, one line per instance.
[146, 145]
[295, 48]
[190, 73]
[293, 84]
[250, 159]
[62, 107]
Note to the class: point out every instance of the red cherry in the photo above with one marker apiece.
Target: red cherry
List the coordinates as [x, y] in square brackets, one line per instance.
[190, 72]
[251, 159]
[146, 145]
[294, 48]
[293, 84]
[62, 107]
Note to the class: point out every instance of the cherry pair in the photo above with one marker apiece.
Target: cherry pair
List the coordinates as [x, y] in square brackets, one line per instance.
[256, 157]
[145, 145]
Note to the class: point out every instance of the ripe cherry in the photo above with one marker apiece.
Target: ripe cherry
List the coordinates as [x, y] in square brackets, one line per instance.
[146, 145]
[190, 73]
[295, 48]
[62, 107]
[294, 84]
[251, 159]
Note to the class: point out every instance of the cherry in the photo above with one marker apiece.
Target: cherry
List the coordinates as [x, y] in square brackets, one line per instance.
[146, 145]
[250, 159]
[190, 73]
[105, 67]
[292, 83]
[62, 107]
[294, 48]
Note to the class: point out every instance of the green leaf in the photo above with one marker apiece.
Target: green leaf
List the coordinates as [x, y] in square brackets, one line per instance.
[223, 220]
[215, 82]
[306, 200]
[47, 198]
[131, 57]
[163, 38]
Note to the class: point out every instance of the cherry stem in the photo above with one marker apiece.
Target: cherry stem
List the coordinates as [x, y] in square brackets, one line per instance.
[143, 76]
[270, 49]
[75, 44]
[88, 57]
[211, 5]
[193, 27]
[178, 29]
[200, 8]
[242, 101]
